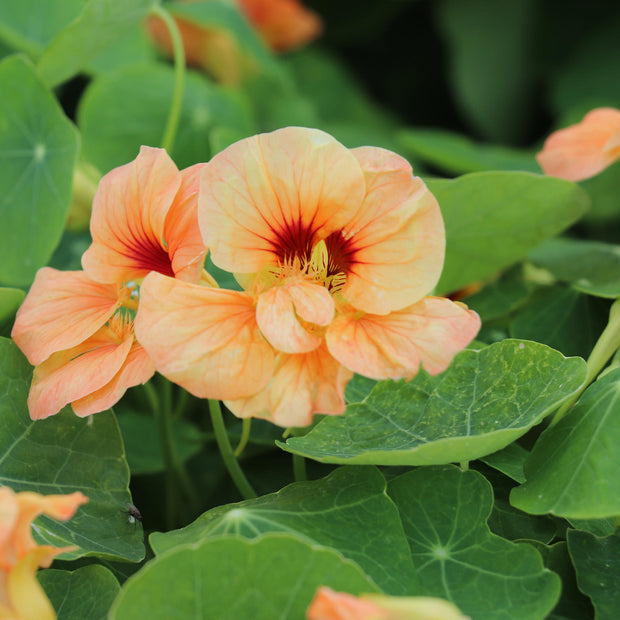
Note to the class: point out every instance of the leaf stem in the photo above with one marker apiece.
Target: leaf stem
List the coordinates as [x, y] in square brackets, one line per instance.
[167, 142]
[299, 468]
[228, 456]
[605, 347]
[245, 436]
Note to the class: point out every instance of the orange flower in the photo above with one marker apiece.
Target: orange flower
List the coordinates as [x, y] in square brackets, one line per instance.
[21, 596]
[77, 327]
[336, 250]
[330, 605]
[583, 150]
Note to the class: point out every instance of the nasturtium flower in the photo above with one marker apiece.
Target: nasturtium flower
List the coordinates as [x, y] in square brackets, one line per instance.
[76, 327]
[336, 250]
[21, 596]
[583, 150]
[330, 605]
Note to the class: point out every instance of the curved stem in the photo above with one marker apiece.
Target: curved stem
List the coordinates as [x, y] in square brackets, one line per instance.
[167, 142]
[223, 443]
[605, 347]
[245, 436]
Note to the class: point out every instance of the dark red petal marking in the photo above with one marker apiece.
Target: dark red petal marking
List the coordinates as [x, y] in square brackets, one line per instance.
[341, 253]
[146, 254]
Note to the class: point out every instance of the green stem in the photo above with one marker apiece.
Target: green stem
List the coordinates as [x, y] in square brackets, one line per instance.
[299, 468]
[245, 436]
[223, 443]
[167, 142]
[605, 347]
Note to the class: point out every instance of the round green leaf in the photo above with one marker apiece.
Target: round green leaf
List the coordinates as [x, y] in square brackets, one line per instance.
[63, 454]
[124, 109]
[38, 147]
[10, 300]
[272, 577]
[493, 219]
[444, 513]
[100, 23]
[87, 592]
[597, 564]
[573, 468]
[343, 511]
[483, 402]
[589, 266]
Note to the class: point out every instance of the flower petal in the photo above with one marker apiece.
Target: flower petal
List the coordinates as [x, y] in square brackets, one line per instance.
[73, 374]
[62, 309]
[396, 242]
[302, 385]
[181, 231]
[272, 196]
[136, 369]
[204, 339]
[127, 223]
[278, 309]
[330, 605]
[583, 150]
[393, 346]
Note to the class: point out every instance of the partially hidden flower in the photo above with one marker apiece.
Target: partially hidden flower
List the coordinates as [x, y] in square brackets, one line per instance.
[76, 327]
[330, 605]
[336, 250]
[21, 596]
[282, 24]
[583, 150]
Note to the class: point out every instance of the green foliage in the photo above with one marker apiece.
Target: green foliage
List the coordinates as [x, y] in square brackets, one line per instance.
[38, 146]
[482, 403]
[483, 210]
[227, 576]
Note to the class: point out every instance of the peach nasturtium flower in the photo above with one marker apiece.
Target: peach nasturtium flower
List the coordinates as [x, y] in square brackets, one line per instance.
[336, 250]
[330, 605]
[76, 327]
[21, 596]
[583, 150]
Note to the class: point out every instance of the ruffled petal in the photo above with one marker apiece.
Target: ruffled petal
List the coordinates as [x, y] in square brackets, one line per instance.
[138, 368]
[73, 374]
[204, 339]
[62, 309]
[279, 309]
[272, 196]
[330, 605]
[429, 333]
[302, 385]
[583, 150]
[181, 231]
[394, 247]
[127, 223]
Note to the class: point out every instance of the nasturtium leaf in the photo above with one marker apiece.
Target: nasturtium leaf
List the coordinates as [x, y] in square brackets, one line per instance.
[489, 51]
[124, 109]
[87, 592]
[512, 524]
[509, 461]
[598, 527]
[563, 319]
[572, 470]
[38, 147]
[142, 442]
[343, 511]
[272, 577]
[29, 25]
[63, 454]
[493, 219]
[604, 190]
[483, 402]
[358, 388]
[597, 564]
[589, 266]
[444, 513]
[99, 25]
[573, 604]
[457, 154]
